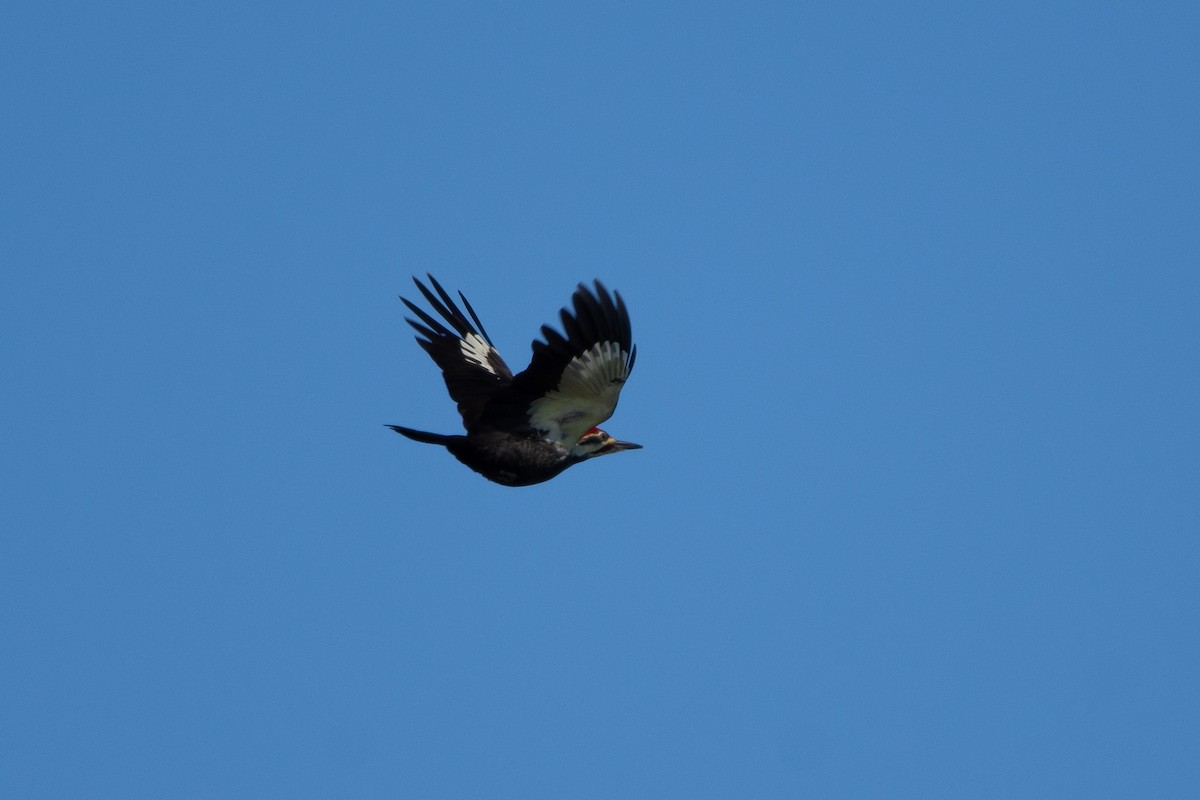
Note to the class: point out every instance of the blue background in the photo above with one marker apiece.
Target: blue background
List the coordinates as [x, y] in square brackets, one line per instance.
[916, 292]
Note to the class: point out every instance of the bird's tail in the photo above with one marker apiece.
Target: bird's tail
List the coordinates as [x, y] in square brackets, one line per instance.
[424, 436]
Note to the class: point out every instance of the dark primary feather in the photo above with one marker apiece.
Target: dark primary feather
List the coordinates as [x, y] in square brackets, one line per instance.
[597, 317]
[471, 384]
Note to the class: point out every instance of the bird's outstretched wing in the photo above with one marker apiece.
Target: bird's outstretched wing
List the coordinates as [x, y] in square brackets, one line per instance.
[574, 380]
[472, 368]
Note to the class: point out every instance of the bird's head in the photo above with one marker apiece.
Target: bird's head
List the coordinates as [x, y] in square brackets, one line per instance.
[598, 443]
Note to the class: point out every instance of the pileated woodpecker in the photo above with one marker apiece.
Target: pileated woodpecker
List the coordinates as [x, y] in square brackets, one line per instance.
[526, 428]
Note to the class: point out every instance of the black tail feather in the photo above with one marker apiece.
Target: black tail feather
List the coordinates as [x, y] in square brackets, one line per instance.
[424, 436]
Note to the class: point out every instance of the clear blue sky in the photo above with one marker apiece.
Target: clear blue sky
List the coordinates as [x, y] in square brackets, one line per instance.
[916, 291]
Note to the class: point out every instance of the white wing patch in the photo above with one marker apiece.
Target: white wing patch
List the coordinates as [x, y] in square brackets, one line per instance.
[586, 395]
[476, 350]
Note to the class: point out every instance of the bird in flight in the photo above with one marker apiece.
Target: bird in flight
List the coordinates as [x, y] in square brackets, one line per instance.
[527, 428]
